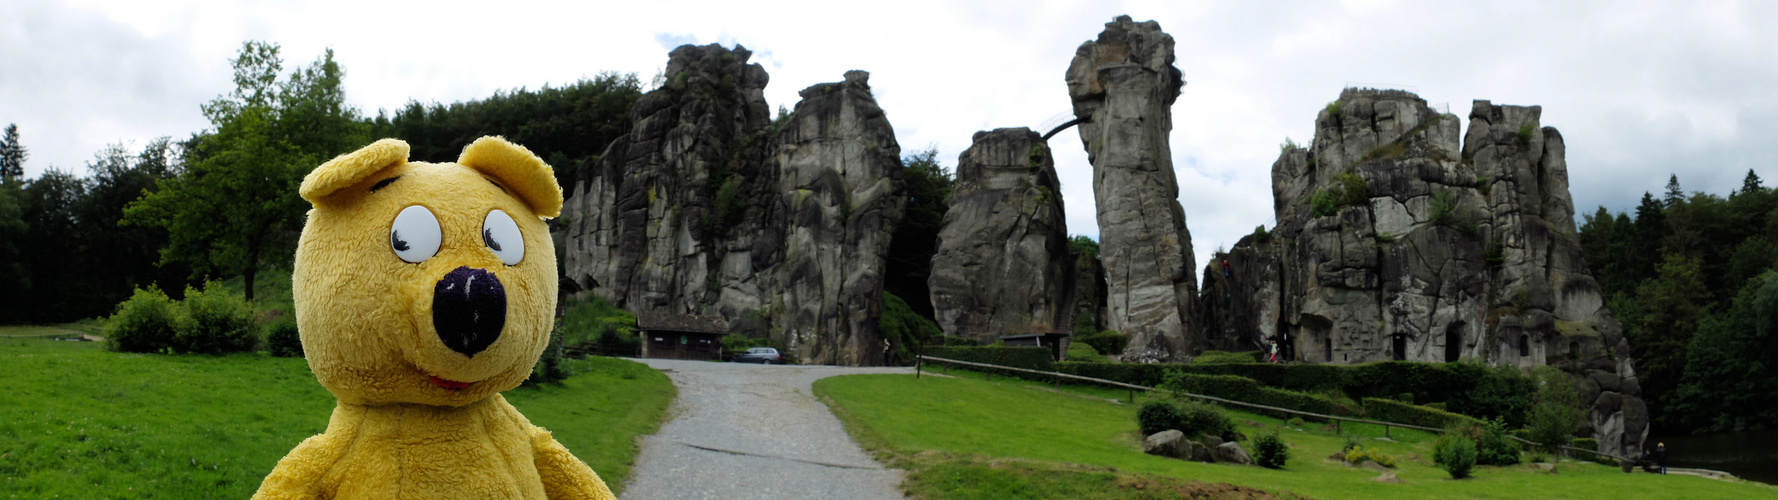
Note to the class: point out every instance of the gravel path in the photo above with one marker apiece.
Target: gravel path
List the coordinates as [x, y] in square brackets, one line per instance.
[754, 431]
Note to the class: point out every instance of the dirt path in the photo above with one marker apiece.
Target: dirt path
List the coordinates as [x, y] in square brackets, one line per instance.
[754, 431]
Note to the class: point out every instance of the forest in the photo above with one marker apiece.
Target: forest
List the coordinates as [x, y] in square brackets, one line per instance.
[1691, 278]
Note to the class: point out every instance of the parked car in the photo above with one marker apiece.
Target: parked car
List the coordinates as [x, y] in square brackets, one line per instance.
[761, 355]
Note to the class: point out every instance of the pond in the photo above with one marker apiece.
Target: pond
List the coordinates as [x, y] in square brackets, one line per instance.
[1748, 455]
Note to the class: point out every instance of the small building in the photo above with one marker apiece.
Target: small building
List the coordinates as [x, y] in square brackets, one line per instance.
[681, 336]
[1055, 340]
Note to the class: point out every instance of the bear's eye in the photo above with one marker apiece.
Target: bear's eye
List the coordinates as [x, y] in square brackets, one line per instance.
[415, 235]
[501, 234]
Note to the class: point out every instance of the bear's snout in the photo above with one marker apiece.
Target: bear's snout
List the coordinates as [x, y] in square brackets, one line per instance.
[469, 309]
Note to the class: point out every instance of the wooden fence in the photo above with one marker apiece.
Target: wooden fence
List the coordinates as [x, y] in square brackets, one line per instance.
[1057, 377]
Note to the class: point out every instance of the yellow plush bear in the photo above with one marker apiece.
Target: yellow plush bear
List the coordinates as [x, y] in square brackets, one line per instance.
[423, 291]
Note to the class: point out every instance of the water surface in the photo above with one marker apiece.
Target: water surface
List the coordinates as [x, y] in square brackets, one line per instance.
[1749, 455]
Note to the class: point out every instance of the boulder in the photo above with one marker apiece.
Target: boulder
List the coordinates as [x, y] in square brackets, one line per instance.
[1371, 465]
[1168, 443]
[1002, 264]
[1123, 85]
[1232, 453]
[1200, 453]
[1387, 478]
[1542, 467]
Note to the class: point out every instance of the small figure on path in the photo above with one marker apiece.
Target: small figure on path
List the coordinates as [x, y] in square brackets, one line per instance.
[886, 360]
[1225, 268]
[1661, 456]
[1272, 350]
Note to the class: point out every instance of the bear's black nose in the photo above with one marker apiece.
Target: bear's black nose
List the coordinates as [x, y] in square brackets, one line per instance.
[468, 309]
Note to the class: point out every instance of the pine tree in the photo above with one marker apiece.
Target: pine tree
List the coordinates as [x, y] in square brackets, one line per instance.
[1674, 193]
[1752, 184]
[12, 155]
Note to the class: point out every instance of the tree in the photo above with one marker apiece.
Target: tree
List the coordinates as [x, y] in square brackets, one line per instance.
[15, 273]
[12, 155]
[909, 263]
[235, 207]
[1752, 184]
[1556, 411]
[53, 252]
[1674, 193]
[1671, 306]
[1729, 382]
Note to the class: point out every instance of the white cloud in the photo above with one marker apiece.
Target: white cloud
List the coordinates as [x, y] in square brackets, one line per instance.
[1639, 89]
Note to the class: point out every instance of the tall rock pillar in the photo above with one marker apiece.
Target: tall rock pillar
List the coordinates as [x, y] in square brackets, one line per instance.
[1002, 265]
[1123, 86]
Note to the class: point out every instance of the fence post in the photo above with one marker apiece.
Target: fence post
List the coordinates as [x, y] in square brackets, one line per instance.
[1338, 428]
[1386, 431]
[918, 362]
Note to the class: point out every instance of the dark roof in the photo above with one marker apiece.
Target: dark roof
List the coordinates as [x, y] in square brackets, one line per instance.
[681, 322]
[1035, 334]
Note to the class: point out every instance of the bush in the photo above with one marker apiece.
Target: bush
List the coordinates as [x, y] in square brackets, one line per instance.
[1245, 390]
[1030, 358]
[1198, 417]
[1269, 451]
[215, 320]
[1157, 416]
[1347, 189]
[1454, 453]
[551, 366]
[1084, 353]
[1106, 342]
[283, 340]
[1296, 422]
[1223, 357]
[587, 320]
[1494, 447]
[614, 342]
[954, 341]
[1557, 411]
[1358, 454]
[1389, 410]
[146, 322]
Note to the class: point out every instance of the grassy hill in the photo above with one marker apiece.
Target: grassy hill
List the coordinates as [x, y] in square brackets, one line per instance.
[81, 422]
[969, 438]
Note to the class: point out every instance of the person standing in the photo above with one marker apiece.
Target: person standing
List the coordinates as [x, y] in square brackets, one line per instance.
[1272, 350]
[1661, 456]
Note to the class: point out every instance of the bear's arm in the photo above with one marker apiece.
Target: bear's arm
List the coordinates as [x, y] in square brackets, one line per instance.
[564, 476]
[300, 473]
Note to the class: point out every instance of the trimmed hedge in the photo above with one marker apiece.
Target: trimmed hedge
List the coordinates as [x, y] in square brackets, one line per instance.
[1247, 390]
[1130, 373]
[1225, 357]
[1389, 410]
[1030, 358]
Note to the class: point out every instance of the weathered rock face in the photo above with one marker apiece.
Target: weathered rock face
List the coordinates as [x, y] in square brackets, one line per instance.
[1123, 86]
[1002, 265]
[1445, 253]
[839, 198]
[701, 210]
[645, 229]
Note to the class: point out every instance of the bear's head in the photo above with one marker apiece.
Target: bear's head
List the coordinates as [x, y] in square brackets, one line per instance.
[426, 283]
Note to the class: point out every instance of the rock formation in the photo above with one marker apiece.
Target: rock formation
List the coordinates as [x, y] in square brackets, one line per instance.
[1002, 265]
[702, 210]
[1123, 86]
[840, 197]
[1394, 242]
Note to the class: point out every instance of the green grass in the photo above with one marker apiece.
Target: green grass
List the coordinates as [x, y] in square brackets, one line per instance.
[81, 422]
[964, 437]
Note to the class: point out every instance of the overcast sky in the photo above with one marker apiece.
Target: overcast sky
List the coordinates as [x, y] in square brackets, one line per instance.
[1638, 89]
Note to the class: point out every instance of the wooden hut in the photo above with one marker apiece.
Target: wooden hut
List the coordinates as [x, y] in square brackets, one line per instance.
[1055, 340]
[681, 336]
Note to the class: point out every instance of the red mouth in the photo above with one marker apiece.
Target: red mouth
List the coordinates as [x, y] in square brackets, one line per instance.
[450, 384]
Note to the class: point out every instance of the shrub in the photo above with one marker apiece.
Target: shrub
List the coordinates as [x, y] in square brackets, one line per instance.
[283, 340]
[1444, 208]
[905, 329]
[1107, 342]
[551, 366]
[1218, 357]
[1158, 416]
[1389, 410]
[613, 342]
[1348, 189]
[1245, 390]
[1197, 417]
[215, 320]
[587, 319]
[955, 341]
[1454, 453]
[1352, 443]
[1358, 454]
[1494, 447]
[1556, 412]
[1324, 202]
[1296, 422]
[145, 322]
[1084, 353]
[1030, 358]
[1269, 451]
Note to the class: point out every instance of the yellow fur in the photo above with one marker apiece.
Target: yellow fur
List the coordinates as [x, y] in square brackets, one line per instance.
[365, 317]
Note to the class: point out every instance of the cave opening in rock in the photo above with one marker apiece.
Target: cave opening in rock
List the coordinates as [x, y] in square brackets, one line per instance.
[1453, 342]
[1400, 346]
[1524, 345]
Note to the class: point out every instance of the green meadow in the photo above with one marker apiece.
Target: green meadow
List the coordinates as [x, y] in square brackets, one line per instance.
[81, 422]
[970, 438]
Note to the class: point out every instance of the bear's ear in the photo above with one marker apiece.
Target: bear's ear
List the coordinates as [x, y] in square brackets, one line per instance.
[524, 173]
[350, 168]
